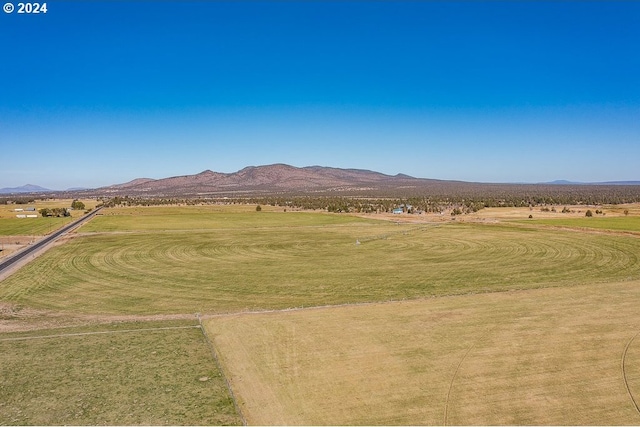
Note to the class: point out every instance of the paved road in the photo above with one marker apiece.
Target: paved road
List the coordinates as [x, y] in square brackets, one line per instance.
[6, 264]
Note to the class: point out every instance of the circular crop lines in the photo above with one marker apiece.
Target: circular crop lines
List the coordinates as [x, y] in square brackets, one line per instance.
[560, 255]
[548, 258]
[172, 260]
[625, 376]
[413, 263]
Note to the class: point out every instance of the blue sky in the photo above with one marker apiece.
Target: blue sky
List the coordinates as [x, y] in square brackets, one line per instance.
[98, 93]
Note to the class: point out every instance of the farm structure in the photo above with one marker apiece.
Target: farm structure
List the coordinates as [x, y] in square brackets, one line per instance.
[403, 208]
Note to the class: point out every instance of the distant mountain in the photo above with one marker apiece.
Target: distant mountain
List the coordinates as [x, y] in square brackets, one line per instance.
[563, 182]
[134, 183]
[282, 179]
[277, 178]
[29, 188]
[320, 180]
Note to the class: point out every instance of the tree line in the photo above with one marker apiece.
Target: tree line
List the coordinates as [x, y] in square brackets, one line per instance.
[458, 203]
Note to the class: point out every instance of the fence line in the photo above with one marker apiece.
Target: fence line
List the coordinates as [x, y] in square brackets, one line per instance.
[214, 353]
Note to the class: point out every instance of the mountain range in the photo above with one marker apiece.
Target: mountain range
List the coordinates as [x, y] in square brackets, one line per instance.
[286, 179]
[29, 188]
[277, 178]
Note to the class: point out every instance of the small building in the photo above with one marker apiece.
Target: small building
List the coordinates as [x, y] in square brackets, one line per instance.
[397, 211]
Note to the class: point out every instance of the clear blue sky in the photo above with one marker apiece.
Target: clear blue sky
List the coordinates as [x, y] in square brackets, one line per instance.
[98, 93]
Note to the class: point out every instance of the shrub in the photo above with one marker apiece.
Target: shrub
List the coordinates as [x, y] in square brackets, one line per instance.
[77, 204]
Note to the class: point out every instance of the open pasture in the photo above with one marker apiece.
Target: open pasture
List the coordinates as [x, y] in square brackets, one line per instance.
[31, 226]
[575, 211]
[154, 373]
[215, 217]
[506, 213]
[258, 260]
[450, 322]
[619, 223]
[555, 356]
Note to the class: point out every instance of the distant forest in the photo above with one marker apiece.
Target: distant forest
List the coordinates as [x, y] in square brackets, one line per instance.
[463, 199]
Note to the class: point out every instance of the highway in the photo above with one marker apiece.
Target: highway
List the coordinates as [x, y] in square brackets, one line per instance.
[6, 264]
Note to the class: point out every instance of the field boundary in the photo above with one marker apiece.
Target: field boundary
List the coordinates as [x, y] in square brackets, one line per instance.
[624, 372]
[78, 334]
[216, 359]
[402, 300]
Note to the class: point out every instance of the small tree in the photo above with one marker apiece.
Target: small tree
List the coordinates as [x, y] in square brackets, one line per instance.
[77, 204]
[626, 212]
[588, 213]
[258, 208]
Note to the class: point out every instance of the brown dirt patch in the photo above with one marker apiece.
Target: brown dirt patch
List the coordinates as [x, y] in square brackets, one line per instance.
[16, 318]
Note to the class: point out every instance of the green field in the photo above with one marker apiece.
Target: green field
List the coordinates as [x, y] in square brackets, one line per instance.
[197, 218]
[620, 223]
[31, 226]
[255, 261]
[145, 374]
[448, 322]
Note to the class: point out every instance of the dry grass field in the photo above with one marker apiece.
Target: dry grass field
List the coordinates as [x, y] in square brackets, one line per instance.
[542, 356]
[491, 318]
